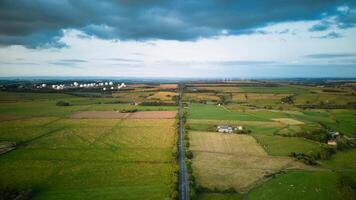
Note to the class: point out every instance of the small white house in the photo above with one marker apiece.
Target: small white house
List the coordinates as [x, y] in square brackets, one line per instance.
[224, 129]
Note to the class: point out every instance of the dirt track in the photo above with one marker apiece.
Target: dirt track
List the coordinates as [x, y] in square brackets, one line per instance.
[118, 115]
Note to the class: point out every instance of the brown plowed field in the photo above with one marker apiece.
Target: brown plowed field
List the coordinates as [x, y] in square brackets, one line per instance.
[118, 115]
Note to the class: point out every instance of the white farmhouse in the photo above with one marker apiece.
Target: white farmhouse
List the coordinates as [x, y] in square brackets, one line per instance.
[224, 129]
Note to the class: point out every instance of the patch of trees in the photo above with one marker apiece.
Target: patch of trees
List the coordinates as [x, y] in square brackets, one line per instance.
[63, 103]
[319, 135]
[201, 189]
[188, 160]
[305, 158]
[288, 100]
[225, 99]
[174, 187]
[128, 110]
[245, 131]
[325, 153]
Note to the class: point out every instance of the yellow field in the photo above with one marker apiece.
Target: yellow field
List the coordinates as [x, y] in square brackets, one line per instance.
[168, 86]
[288, 121]
[223, 161]
[201, 97]
[163, 96]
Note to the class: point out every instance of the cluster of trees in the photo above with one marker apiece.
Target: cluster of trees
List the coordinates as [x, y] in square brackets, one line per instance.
[225, 99]
[325, 153]
[188, 160]
[288, 100]
[175, 168]
[319, 135]
[201, 189]
[128, 110]
[63, 103]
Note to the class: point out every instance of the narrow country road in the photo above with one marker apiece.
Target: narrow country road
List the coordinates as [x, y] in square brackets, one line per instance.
[183, 174]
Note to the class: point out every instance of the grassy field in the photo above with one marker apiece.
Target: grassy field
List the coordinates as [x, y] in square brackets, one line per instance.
[283, 146]
[203, 111]
[219, 196]
[62, 158]
[298, 185]
[223, 161]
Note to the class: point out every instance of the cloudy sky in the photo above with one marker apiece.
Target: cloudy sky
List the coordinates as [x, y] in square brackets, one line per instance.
[178, 38]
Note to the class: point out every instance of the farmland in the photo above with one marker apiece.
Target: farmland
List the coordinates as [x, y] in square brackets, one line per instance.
[282, 156]
[58, 156]
[122, 144]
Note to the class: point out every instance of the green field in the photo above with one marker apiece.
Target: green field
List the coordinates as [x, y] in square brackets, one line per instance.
[283, 146]
[298, 185]
[219, 196]
[59, 157]
[220, 161]
[62, 158]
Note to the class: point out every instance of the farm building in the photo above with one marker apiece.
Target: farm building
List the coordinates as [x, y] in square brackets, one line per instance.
[224, 129]
[334, 137]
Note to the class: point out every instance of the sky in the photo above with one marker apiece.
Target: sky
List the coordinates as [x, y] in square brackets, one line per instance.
[178, 38]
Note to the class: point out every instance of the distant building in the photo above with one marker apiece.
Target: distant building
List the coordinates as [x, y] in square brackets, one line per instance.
[334, 138]
[332, 142]
[224, 129]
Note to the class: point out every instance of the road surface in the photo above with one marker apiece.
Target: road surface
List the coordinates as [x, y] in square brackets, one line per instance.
[183, 174]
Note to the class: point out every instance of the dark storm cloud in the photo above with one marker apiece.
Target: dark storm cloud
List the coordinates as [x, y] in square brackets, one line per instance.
[331, 55]
[331, 35]
[38, 23]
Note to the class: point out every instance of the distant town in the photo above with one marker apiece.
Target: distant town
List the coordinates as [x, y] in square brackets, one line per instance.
[103, 85]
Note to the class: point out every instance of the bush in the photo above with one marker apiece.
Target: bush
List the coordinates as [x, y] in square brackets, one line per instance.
[307, 159]
[189, 154]
[319, 135]
[326, 152]
[63, 103]
[128, 110]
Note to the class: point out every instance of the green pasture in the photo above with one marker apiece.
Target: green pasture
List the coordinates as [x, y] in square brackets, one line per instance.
[220, 196]
[283, 146]
[62, 158]
[298, 185]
